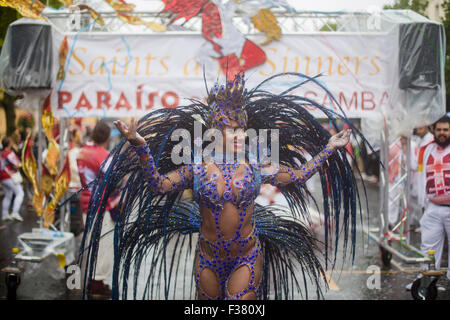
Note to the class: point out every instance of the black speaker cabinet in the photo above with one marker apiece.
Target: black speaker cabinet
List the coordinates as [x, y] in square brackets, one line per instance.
[420, 55]
[30, 55]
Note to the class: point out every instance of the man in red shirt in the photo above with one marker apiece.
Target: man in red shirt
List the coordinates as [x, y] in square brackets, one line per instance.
[90, 160]
[9, 164]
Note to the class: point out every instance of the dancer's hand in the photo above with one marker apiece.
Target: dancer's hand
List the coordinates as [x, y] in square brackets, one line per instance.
[130, 132]
[340, 139]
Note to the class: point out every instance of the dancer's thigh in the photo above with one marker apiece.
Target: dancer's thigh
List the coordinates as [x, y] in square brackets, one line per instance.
[246, 277]
[208, 283]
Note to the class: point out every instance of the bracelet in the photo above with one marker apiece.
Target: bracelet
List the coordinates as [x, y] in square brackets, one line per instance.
[329, 150]
[142, 149]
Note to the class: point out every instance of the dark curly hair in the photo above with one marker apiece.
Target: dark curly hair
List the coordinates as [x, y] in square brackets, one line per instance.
[444, 119]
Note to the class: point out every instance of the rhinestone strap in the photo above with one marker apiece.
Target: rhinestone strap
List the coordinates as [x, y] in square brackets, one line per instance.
[179, 180]
[305, 172]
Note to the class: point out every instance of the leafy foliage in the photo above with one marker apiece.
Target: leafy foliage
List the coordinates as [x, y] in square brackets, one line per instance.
[25, 121]
[7, 15]
[55, 4]
[329, 27]
[418, 6]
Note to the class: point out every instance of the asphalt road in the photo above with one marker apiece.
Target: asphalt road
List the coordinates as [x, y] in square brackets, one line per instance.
[363, 279]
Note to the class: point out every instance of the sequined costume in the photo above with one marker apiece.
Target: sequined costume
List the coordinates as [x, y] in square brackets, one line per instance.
[156, 223]
[226, 255]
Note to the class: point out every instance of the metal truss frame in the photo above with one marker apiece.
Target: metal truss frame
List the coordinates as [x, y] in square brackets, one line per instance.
[289, 22]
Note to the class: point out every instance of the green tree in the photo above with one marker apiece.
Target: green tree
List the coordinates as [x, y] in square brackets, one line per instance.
[418, 6]
[54, 4]
[329, 27]
[7, 15]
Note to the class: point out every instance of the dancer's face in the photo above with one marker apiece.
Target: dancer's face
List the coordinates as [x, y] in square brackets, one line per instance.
[234, 136]
[442, 134]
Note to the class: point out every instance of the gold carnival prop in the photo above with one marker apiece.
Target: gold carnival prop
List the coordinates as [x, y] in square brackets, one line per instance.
[60, 187]
[266, 22]
[120, 5]
[94, 14]
[62, 54]
[27, 8]
[30, 169]
[46, 181]
[135, 20]
[122, 9]
[28, 161]
[47, 119]
[48, 122]
[38, 203]
[52, 157]
[44, 201]
[66, 2]
[33, 9]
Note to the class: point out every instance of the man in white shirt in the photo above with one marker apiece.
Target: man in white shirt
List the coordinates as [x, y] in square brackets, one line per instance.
[434, 192]
[422, 138]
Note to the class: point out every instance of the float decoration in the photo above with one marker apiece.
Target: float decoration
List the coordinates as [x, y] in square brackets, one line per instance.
[30, 169]
[60, 187]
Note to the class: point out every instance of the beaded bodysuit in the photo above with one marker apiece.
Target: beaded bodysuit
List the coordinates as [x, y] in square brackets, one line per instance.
[217, 252]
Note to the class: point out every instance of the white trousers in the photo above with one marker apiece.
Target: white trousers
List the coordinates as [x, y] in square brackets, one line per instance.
[435, 223]
[105, 254]
[394, 205]
[10, 189]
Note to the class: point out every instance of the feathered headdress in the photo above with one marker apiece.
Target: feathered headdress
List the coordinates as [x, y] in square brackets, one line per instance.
[227, 103]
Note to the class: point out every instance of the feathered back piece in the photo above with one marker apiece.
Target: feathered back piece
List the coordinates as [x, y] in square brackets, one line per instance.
[154, 235]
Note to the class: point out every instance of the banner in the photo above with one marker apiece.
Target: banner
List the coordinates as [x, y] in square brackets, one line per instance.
[112, 75]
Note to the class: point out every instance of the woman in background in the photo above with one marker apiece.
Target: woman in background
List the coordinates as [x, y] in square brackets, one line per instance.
[11, 181]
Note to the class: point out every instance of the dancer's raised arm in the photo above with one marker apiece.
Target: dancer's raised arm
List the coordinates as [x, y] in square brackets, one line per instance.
[161, 184]
[286, 175]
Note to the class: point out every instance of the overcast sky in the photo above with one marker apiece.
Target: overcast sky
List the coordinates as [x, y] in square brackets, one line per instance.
[316, 5]
[337, 5]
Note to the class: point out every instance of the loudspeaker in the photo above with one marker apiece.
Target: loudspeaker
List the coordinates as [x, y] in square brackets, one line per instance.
[30, 55]
[421, 45]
